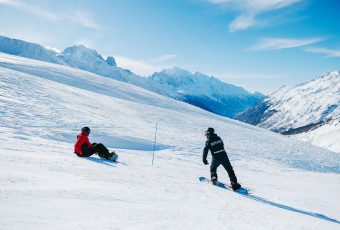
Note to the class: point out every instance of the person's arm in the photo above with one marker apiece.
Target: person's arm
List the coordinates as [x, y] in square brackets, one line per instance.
[205, 152]
[79, 143]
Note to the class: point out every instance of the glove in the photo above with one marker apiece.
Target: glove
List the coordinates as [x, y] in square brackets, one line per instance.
[205, 161]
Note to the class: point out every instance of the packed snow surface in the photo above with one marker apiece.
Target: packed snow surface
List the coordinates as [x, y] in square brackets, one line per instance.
[326, 136]
[44, 185]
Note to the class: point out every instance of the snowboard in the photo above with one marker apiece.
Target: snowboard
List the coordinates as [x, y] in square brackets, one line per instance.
[241, 190]
[114, 157]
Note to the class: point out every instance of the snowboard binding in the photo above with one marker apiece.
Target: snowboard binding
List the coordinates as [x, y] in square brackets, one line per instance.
[112, 156]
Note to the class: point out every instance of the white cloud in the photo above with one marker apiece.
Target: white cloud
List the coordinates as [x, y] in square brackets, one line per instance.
[83, 18]
[329, 53]
[283, 43]
[242, 22]
[140, 67]
[250, 9]
[219, 1]
[256, 5]
[245, 76]
[39, 12]
[144, 67]
[267, 5]
[53, 49]
[164, 58]
[251, 81]
[80, 17]
[85, 42]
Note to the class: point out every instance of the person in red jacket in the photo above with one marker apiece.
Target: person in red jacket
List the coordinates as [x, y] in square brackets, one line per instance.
[83, 147]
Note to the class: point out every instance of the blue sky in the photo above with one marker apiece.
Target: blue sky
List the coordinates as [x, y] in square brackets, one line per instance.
[258, 44]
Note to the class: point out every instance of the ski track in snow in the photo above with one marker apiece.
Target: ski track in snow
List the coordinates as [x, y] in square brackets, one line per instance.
[45, 186]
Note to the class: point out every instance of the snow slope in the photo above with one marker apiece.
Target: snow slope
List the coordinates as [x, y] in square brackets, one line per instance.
[29, 50]
[304, 109]
[205, 92]
[43, 185]
[325, 136]
[79, 57]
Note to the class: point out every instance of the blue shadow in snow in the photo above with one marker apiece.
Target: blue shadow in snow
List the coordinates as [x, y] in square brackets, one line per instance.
[128, 142]
[245, 193]
[111, 141]
[103, 161]
[313, 214]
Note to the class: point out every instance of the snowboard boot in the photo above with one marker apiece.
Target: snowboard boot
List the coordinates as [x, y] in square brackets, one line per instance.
[214, 180]
[235, 186]
[112, 156]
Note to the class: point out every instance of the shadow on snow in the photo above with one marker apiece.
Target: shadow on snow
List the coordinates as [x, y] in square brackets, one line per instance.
[103, 161]
[112, 142]
[264, 201]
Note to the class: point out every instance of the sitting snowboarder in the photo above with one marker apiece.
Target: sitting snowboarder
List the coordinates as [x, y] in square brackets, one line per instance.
[219, 156]
[83, 147]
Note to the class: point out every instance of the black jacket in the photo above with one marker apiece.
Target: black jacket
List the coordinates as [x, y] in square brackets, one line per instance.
[215, 145]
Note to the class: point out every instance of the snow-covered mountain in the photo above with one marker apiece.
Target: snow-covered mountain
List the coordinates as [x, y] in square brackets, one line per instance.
[205, 92]
[44, 185]
[85, 58]
[88, 59]
[305, 109]
[77, 56]
[29, 50]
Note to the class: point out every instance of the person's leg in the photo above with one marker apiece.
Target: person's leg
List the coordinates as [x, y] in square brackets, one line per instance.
[213, 169]
[87, 152]
[101, 150]
[226, 164]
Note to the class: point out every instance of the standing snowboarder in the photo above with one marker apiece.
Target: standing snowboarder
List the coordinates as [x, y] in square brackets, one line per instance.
[219, 156]
[83, 147]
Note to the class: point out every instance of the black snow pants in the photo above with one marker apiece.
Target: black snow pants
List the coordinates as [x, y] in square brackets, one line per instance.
[100, 149]
[222, 159]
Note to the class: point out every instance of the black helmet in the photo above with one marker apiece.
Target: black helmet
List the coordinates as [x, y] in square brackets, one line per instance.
[210, 131]
[85, 129]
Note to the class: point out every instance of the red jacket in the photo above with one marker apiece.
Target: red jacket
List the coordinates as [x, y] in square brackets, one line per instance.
[82, 139]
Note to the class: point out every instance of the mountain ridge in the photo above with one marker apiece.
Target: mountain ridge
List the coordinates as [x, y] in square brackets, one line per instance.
[228, 99]
[301, 108]
[84, 58]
